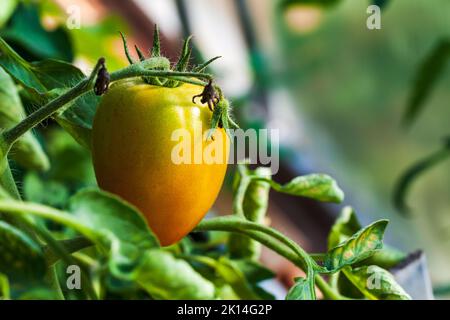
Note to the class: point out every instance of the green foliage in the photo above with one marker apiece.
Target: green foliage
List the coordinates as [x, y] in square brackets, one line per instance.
[427, 76]
[109, 238]
[416, 170]
[99, 40]
[386, 258]
[319, 187]
[361, 257]
[344, 227]
[165, 277]
[381, 3]
[38, 78]
[21, 259]
[26, 34]
[358, 247]
[300, 290]
[47, 79]
[27, 151]
[376, 283]
[7, 8]
[429, 72]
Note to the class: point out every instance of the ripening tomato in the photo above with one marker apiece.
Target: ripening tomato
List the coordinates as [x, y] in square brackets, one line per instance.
[149, 147]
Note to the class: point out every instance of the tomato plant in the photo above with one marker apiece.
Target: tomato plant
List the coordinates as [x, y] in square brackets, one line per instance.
[114, 233]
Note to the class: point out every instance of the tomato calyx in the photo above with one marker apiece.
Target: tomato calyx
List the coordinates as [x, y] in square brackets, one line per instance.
[156, 61]
[211, 94]
[221, 118]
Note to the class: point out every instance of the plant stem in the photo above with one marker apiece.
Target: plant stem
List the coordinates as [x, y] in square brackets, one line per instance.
[327, 291]
[28, 224]
[25, 209]
[233, 223]
[266, 236]
[4, 288]
[10, 136]
[136, 70]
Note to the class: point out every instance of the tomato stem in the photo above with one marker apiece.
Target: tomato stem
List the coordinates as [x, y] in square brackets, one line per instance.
[283, 246]
[10, 136]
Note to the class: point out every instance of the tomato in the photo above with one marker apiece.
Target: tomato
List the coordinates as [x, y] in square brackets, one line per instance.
[133, 146]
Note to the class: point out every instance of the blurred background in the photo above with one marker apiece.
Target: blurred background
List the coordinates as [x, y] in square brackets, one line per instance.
[336, 90]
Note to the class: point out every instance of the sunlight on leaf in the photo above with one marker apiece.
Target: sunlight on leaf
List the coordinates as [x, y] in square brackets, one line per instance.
[319, 187]
[360, 246]
[376, 283]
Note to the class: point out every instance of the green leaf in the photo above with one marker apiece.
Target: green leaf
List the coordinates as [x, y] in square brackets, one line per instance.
[26, 151]
[38, 78]
[165, 277]
[344, 227]
[107, 214]
[386, 258]
[415, 171]
[300, 290]
[360, 246]
[21, 259]
[46, 79]
[52, 193]
[426, 78]
[254, 205]
[376, 283]
[319, 187]
[65, 153]
[70, 245]
[78, 118]
[254, 272]
[230, 272]
[120, 230]
[25, 32]
[7, 8]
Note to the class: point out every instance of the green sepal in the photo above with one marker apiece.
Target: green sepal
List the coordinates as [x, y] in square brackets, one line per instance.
[221, 118]
[139, 53]
[203, 66]
[183, 61]
[156, 48]
[125, 48]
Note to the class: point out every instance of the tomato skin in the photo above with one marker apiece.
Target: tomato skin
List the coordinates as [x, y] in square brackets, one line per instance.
[132, 149]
